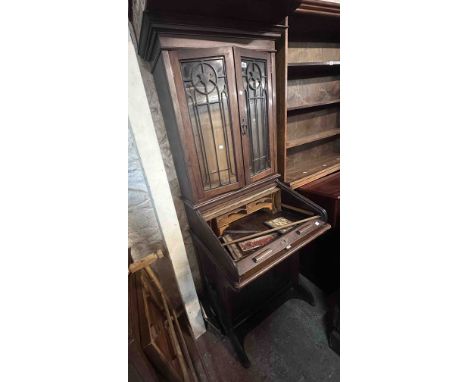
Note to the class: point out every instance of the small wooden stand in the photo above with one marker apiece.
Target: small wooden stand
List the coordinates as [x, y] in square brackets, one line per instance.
[162, 337]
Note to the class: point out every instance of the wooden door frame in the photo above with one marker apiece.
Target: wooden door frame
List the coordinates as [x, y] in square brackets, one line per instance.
[269, 57]
[187, 134]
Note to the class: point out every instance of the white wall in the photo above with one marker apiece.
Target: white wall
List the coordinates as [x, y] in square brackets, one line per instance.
[152, 166]
[144, 234]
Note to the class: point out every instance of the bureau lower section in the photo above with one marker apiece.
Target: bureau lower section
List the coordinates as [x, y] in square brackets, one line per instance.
[246, 247]
[247, 235]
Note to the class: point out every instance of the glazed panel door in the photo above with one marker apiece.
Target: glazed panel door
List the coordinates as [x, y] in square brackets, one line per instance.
[206, 87]
[255, 89]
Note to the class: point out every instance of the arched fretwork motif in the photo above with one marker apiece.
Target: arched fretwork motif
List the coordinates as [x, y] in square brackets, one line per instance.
[255, 79]
[206, 91]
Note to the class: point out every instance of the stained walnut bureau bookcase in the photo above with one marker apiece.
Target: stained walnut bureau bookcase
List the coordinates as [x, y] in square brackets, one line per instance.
[217, 91]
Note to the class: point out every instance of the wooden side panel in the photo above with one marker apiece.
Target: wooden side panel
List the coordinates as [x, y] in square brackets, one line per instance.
[281, 94]
[207, 242]
[274, 113]
[170, 109]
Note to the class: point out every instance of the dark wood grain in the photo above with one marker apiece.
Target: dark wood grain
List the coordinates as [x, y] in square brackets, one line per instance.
[326, 192]
[194, 25]
[164, 79]
[235, 13]
[281, 93]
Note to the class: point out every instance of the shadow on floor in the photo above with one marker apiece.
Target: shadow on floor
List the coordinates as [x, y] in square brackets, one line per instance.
[290, 345]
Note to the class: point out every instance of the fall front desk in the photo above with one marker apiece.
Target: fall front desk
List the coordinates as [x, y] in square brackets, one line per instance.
[219, 106]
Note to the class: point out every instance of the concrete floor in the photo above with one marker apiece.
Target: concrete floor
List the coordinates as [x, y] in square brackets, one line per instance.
[290, 345]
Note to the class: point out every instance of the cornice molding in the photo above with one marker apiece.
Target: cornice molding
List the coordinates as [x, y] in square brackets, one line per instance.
[198, 26]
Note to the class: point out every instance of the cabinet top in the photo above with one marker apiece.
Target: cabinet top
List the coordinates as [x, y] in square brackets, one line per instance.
[173, 32]
[263, 11]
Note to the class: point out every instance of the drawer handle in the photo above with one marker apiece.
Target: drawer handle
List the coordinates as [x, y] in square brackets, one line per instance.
[286, 244]
[263, 255]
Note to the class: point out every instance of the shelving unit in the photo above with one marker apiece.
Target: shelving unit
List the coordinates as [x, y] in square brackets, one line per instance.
[309, 127]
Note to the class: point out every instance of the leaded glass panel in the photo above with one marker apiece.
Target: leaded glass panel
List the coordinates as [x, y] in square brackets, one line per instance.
[255, 80]
[206, 90]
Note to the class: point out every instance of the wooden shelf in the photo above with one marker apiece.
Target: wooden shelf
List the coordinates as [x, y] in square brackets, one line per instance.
[312, 138]
[313, 69]
[314, 64]
[309, 106]
[325, 166]
[311, 7]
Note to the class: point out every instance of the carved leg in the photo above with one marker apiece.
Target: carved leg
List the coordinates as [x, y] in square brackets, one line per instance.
[228, 329]
[213, 297]
[301, 288]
